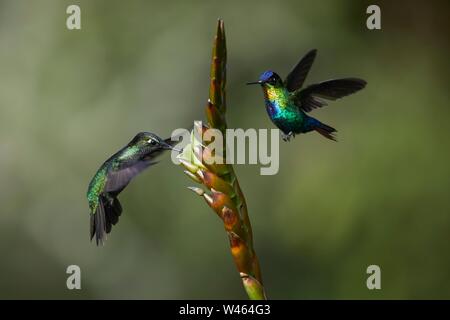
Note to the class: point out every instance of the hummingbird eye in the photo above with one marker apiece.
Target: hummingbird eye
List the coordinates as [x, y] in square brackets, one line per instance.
[151, 141]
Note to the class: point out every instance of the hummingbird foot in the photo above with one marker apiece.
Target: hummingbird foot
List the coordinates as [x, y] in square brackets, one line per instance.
[287, 137]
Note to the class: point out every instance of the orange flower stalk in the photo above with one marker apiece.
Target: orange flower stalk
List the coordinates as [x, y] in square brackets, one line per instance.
[223, 194]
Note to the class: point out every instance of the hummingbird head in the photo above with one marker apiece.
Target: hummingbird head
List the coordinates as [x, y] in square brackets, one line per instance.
[269, 79]
[151, 140]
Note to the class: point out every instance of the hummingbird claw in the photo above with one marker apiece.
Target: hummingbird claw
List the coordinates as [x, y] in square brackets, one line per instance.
[287, 137]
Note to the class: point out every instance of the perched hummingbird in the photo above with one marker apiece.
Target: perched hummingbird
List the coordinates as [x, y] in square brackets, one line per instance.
[115, 174]
[287, 104]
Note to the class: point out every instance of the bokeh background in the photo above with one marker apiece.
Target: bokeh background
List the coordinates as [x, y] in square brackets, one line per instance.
[69, 99]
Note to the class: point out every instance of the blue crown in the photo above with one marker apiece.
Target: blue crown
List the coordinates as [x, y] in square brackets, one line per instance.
[266, 75]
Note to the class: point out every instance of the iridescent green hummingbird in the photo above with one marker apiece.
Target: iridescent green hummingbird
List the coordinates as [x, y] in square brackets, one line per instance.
[115, 174]
[287, 103]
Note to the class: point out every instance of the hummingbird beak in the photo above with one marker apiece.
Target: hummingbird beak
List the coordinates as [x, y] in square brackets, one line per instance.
[255, 82]
[169, 147]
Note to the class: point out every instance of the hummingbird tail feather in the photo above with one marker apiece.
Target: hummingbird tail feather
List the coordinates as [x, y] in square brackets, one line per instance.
[107, 214]
[327, 131]
[98, 224]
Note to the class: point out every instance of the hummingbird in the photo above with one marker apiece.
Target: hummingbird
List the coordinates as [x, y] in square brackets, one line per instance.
[287, 103]
[115, 174]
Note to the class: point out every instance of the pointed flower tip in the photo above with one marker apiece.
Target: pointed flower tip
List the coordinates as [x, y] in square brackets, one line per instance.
[188, 165]
[192, 176]
[201, 174]
[197, 190]
[208, 198]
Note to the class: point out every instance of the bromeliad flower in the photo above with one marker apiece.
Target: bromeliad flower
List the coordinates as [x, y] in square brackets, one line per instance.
[223, 193]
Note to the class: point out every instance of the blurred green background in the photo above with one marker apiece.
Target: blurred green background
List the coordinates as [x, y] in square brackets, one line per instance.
[69, 99]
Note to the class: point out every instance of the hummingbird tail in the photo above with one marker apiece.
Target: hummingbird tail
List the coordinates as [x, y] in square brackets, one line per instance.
[325, 130]
[107, 215]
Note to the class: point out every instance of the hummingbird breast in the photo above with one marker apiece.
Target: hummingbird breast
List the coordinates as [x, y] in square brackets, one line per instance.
[283, 113]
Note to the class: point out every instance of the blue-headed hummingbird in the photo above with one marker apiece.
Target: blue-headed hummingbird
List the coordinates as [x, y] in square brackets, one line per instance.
[287, 103]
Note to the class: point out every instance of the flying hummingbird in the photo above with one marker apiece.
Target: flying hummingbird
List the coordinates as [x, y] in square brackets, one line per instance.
[115, 174]
[287, 104]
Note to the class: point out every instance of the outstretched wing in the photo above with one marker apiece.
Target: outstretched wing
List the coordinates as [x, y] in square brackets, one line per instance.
[118, 179]
[311, 97]
[298, 74]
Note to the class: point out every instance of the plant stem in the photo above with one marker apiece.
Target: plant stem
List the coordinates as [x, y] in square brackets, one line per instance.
[225, 196]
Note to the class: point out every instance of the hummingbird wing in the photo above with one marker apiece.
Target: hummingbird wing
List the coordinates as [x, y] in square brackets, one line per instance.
[298, 74]
[118, 179]
[310, 97]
